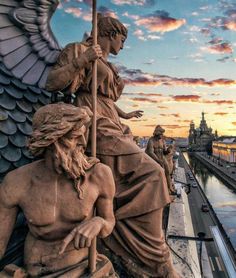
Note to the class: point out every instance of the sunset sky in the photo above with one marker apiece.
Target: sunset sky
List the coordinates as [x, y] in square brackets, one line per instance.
[178, 60]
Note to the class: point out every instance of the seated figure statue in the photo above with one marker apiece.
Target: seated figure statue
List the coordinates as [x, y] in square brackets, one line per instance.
[170, 151]
[137, 239]
[156, 149]
[58, 195]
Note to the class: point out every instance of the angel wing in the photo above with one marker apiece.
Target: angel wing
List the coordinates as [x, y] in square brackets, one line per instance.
[27, 44]
[27, 51]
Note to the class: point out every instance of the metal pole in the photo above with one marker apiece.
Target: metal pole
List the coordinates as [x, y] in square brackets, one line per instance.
[93, 247]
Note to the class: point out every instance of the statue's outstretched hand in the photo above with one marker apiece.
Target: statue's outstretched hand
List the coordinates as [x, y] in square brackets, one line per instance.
[83, 234]
[92, 53]
[136, 114]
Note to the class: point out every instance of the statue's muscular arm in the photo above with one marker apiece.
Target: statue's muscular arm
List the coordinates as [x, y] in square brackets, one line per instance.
[104, 204]
[10, 192]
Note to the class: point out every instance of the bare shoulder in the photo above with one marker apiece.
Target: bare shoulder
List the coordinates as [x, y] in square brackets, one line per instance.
[17, 181]
[103, 177]
[23, 172]
[102, 171]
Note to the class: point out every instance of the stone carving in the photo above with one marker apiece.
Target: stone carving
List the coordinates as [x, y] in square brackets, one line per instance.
[57, 195]
[156, 149]
[170, 151]
[141, 190]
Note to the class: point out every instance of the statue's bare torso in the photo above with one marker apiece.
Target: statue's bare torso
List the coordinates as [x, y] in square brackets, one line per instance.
[53, 209]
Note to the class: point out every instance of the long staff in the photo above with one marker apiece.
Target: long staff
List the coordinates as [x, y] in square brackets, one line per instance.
[93, 247]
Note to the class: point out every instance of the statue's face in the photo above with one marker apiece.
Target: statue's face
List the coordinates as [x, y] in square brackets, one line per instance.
[117, 43]
[78, 137]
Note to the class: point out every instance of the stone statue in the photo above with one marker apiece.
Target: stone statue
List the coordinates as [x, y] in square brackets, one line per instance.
[141, 190]
[170, 151]
[156, 149]
[58, 195]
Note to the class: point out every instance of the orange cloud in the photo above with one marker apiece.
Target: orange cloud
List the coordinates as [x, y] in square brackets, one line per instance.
[192, 98]
[220, 48]
[184, 121]
[233, 123]
[221, 113]
[219, 102]
[143, 94]
[144, 99]
[176, 115]
[231, 25]
[162, 107]
[160, 21]
[137, 77]
[173, 126]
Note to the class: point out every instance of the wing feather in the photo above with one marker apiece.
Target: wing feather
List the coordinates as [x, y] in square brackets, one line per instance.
[33, 75]
[4, 21]
[20, 70]
[9, 32]
[10, 45]
[27, 44]
[14, 58]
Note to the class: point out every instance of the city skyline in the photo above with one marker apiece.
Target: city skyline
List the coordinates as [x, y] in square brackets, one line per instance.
[178, 60]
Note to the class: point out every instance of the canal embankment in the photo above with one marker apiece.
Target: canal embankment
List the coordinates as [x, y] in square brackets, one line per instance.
[219, 170]
[219, 196]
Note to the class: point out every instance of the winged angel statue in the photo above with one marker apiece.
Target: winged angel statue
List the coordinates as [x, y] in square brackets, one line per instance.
[28, 49]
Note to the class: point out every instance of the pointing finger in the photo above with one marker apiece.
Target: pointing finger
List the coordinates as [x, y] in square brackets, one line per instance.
[67, 240]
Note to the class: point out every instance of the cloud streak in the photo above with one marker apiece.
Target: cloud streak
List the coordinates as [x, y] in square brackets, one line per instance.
[134, 2]
[221, 113]
[160, 21]
[191, 98]
[176, 115]
[137, 77]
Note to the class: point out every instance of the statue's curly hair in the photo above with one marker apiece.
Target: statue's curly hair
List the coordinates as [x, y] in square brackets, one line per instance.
[108, 25]
[53, 121]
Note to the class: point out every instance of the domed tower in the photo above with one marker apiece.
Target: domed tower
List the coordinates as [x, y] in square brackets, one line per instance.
[191, 137]
[203, 125]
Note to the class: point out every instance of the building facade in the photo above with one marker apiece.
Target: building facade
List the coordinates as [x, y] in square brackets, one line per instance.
[225, 148]
[201, 138]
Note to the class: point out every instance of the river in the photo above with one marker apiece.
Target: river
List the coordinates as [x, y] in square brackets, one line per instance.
[221, 196]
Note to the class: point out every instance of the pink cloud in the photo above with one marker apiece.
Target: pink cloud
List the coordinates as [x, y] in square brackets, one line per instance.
[160, 21]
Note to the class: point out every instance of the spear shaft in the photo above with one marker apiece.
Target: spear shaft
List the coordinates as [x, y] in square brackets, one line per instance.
[93, 247]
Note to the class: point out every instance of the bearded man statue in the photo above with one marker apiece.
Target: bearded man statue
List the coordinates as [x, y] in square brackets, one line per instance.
[58, 195]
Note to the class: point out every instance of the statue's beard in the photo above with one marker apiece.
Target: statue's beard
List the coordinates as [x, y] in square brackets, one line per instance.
[72, 162]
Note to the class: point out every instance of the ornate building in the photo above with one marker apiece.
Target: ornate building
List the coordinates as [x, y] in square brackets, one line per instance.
[200, 139]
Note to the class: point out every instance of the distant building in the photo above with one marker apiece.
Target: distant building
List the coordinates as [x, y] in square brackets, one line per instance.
[181, 142]
[200, 139]
[225, 148]
[141, 141]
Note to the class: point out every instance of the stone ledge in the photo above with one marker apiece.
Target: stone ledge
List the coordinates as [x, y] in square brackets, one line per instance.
[180, 223]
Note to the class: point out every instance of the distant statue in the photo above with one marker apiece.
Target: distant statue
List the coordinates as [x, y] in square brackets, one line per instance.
[58, 195]
[156, 149]
[169, 155]
[141, 190]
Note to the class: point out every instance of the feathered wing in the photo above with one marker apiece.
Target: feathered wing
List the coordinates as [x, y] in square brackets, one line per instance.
[27, 51]
[27, 45]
